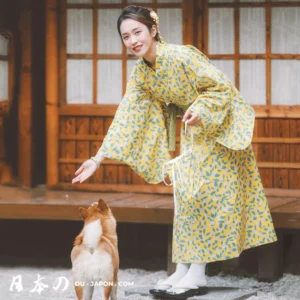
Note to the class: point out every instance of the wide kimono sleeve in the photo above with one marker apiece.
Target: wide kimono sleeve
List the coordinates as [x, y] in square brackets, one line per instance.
[222, 111]
[137, 135]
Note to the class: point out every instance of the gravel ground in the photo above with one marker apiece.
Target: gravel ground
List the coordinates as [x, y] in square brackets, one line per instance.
[287, 288]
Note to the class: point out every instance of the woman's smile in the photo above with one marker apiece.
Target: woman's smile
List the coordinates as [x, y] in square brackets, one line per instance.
[138, 39]
[137, 48]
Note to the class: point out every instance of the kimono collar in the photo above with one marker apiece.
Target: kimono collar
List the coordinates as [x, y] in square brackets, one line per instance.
[161, 48]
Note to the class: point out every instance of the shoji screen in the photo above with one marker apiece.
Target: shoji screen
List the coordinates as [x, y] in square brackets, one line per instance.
[97, 66]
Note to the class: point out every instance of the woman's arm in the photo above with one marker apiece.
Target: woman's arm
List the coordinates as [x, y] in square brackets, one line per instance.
[214, 90]
[223, 112]
[137, 135]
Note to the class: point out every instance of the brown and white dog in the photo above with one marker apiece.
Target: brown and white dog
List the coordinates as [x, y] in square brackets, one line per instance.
[95, 256]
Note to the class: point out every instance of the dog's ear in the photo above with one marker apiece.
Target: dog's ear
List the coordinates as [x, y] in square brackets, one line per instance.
[83, 212]
[102, 205]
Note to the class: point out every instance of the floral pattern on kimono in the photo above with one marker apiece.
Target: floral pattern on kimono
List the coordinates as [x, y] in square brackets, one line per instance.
[230, 212]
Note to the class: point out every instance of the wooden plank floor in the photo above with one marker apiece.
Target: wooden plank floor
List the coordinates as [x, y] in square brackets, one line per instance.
[39, 203]
[18, 203]
[285, 211]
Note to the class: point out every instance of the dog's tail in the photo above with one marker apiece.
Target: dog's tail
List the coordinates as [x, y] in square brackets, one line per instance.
[78, 239]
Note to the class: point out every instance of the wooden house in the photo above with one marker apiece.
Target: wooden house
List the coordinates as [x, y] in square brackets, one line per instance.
[63, 59]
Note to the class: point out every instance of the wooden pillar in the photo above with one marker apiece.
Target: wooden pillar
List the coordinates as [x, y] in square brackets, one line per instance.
[270, 260]
[52, 124]
[25, 98]
[189, 15]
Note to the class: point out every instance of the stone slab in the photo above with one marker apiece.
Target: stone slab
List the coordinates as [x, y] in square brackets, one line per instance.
[214, 293]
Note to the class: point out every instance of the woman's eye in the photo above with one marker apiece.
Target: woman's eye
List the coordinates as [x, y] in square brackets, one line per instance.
[125, 38]
[138, 32]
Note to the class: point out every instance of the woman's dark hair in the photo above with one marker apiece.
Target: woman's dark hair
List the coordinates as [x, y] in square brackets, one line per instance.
[140, 14]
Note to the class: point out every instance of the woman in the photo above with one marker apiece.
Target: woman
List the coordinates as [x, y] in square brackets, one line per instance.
[227, 211]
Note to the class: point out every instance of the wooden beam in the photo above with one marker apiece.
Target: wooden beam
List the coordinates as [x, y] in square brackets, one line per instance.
[110, 162]
[127, 188]
[237, 46]
[154, 5]
[123, 57]
[11, 70]
[255, 4]
[278, 165]
[270, 192]
[262, 165]
[95, 52]
[268, 55]
[91, 110]
[25, 98]
[278, 111]
[188, 10]
[261, 111]
[66, 212]
[6, 176]
[205, 23]
[254, 56]
[52, 122]
[256, 140]
[62, 60]
[199, 25]
[284, 219]
[270, 260]
[272, 140]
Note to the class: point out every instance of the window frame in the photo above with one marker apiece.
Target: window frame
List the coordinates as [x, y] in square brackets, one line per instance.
[262, 111]
[5, 104]
[188, 35]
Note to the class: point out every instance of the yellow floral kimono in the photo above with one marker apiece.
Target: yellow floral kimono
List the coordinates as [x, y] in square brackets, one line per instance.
[229, 213]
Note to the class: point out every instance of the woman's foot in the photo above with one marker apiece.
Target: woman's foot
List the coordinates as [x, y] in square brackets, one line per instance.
[192, 283]
[181, 271]
[194, 277]
[164, 284]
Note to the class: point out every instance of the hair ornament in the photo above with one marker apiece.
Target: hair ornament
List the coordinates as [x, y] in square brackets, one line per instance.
[154, 17]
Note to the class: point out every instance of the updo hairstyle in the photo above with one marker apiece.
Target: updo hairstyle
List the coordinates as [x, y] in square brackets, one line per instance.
[140, 14]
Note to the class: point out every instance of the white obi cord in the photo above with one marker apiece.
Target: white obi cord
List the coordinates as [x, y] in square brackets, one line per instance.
[182, 172]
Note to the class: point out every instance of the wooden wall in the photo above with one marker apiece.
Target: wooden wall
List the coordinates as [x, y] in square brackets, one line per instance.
[5, 168]
[22, 116]
[80, 138]
[276, 144]
[77, 132]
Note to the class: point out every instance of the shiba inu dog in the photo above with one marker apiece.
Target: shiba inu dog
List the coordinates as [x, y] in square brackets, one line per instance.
[95, 256]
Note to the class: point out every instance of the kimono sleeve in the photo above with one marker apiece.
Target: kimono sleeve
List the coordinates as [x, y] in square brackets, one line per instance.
[223, 113]
[213, 87]
[137, 135]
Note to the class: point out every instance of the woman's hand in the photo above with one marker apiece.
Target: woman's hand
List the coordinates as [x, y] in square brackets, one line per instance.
[190, 118]
[86, 170]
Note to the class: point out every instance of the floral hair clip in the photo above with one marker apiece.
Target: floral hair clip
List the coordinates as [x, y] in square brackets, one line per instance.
[154, 17]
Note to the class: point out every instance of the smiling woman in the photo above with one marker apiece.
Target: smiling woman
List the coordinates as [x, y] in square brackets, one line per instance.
[228, 212]
[139, 33]
[139, 40]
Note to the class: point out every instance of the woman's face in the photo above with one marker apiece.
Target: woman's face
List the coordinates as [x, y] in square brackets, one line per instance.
[137, 38]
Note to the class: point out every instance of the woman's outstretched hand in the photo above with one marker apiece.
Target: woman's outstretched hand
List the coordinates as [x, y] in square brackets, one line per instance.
[86, 170]
[190, 118]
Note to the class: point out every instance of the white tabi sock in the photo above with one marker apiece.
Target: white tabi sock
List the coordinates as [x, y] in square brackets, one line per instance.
[181, 270]
[194, 277]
